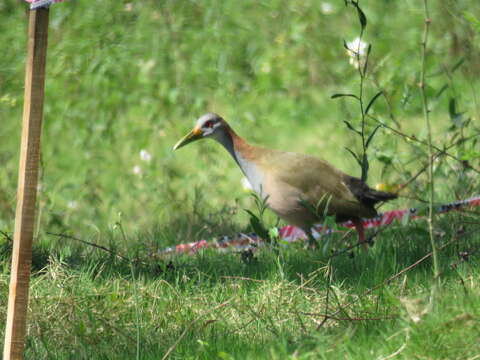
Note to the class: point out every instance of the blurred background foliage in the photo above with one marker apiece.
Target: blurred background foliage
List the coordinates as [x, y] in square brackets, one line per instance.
[126, 79]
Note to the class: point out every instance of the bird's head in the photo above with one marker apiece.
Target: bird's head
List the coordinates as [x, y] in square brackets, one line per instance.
[207, 126]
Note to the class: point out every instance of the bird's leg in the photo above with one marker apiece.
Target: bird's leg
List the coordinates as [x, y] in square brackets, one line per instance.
[312, 242]
[361, 233]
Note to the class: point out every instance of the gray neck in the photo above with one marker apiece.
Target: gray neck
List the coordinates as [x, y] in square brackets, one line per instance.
[248, 168]
[225, 139]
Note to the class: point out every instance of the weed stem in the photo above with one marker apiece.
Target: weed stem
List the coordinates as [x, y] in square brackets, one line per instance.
[427, 21]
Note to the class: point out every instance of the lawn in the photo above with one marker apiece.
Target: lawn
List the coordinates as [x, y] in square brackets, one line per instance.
[125, 80]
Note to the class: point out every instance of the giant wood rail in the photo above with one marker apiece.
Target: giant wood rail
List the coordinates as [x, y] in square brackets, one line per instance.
[300, 189]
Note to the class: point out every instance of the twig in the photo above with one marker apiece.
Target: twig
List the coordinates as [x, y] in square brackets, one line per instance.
[118, 330]
[303, 283]
[414, 177]
[327, 316]
[65, 236]
[436, 269]
[357, 244]
[435, 156]
[329, 274]
[393, 277]
[241, 327]
[135, 292]
[7, 236]
[242, 278]
[182, 335]
[387, 99]
[362, 74]
[400, 349]
[463, 257]
[440, 151]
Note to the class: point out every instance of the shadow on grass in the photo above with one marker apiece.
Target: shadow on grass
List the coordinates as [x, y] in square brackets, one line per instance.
[395, 248]
[206, 273]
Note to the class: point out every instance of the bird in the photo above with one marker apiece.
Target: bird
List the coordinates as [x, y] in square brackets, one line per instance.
[300, 189]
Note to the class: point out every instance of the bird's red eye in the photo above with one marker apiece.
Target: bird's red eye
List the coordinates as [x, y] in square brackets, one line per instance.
[209, 124]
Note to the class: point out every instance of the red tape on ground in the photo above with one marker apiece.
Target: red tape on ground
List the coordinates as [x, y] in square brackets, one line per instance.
[291, 233]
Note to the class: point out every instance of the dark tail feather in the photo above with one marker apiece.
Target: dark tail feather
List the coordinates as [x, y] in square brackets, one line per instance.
[365, 194]
[374, 196]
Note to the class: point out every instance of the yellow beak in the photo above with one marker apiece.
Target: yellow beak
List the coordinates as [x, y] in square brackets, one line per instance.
[193, 135]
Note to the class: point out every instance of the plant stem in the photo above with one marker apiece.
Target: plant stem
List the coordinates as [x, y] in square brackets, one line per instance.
[135, 292]
[436, 148]
[362, 111]
[427, 21]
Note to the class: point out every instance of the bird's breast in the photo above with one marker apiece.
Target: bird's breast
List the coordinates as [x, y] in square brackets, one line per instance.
[253, 173]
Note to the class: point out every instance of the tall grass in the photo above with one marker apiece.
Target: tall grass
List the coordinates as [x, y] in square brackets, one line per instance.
[122, 78]
[426, 115]
[212, 306]
[125, 80]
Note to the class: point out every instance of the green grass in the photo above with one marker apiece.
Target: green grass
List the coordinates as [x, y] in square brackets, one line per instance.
[213, 306]
[125, 77]
[121, 81]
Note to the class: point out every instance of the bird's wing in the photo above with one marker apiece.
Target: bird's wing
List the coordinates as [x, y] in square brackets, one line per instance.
[317, 183]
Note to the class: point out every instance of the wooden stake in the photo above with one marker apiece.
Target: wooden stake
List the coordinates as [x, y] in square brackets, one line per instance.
[27, 185]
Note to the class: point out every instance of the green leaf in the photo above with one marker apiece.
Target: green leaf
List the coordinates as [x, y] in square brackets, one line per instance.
[384, 158]
[405, 218]
[471, 155]
[372, 134]
[473, 20]
[326, 245]
[440, 92]
[361, 15]
[458, 64]
[350, 126]
[419, 231]
[258, 228]
[334, 96]
[252, 215]
[273, 233]
[365, 67]
[372, 101]
[406, 95]
[355, 156]
[327, 205]
[309, 207]
[365, 167]
[452, 108]
[331, 222]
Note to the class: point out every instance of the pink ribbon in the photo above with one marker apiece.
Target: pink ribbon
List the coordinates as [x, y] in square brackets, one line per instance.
[291, 233]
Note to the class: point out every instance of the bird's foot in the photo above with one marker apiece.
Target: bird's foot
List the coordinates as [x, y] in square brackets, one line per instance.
[312, 244]
[367, 242]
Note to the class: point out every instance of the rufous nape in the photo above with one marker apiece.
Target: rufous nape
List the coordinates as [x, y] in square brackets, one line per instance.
[300, 189]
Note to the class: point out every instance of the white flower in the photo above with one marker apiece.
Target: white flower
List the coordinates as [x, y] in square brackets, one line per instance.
[72, 204]
[145, 155]
[355, 47]
[146, 65]
[137, 170]
[266, 68]
[326, 8]
[246, 184]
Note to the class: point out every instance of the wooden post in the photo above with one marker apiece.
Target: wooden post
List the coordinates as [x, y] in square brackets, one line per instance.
[27, 185]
